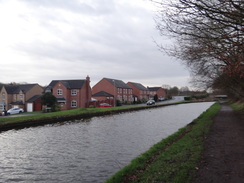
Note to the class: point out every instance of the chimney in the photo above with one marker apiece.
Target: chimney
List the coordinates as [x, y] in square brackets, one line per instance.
[88, 79]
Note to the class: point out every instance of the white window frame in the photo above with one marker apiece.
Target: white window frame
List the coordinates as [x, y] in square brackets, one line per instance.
[73, 102]
[59, 92]
[73, 92]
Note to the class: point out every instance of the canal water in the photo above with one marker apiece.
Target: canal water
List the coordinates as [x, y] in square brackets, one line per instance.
[91, 150]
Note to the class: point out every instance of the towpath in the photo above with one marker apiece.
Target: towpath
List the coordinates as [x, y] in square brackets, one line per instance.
[223, 157]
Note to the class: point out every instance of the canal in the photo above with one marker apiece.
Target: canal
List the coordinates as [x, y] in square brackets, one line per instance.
[89, 150]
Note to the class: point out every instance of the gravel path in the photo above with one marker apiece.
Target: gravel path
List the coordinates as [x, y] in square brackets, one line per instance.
[223, 157]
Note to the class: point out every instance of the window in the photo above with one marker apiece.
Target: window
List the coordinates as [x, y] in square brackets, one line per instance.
[3, 95]
[60, 92]
[73, 92]
[125, 97]
[73, 103]
[21, 96]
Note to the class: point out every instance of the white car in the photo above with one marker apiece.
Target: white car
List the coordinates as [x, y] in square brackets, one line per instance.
[150, 102]
[15, 111]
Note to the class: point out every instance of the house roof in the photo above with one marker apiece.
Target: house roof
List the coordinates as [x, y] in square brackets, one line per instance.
[34, 98]
[118, 83]
[153, 88]
[139, 86]
[13, 89]
[102, 94]
[70, 84]
[1, 85]
[17, 103]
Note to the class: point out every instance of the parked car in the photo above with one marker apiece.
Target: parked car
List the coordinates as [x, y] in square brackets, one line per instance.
[15, 111]
[161, 99]
[104, 105]
[150, 102]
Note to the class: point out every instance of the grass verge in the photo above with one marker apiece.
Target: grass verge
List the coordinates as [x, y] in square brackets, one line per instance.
[172, 160]
[47, 118]
[238, 106]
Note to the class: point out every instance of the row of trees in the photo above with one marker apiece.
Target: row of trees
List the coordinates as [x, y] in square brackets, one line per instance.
[183, 91]
[210, 40]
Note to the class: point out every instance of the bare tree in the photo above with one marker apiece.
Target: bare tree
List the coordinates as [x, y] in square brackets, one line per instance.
[210, 37]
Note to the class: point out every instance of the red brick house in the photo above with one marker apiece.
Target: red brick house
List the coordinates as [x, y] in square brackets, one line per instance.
[140, 92]
[114, 87]
[71, 94]
[159, 91]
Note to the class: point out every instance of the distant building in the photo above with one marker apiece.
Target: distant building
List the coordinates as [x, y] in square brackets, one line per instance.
[140, 92]
[159, 91]
[71, 94]
[114, 87]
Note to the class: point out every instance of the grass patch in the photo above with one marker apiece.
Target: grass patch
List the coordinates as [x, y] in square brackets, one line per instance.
[238, 106]
[172, 160]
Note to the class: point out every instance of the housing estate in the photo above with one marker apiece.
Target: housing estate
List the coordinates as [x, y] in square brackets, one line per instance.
[112, 88]
[71, 94]
[139, 91]
[23, 96]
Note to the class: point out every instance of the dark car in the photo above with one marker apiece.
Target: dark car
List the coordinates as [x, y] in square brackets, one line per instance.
[150, 102]
[104, 105]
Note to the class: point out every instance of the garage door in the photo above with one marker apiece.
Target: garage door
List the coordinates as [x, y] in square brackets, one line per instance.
[29, 107]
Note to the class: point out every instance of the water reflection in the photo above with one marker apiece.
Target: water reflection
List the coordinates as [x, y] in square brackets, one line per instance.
[87, 150]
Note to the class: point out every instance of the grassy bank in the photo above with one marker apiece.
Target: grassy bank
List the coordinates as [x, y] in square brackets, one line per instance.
[172, 160]
[47, 118]
[238, 106]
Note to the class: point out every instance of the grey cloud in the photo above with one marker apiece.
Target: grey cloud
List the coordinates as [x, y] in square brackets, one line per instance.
[115, 42]
[85, 7]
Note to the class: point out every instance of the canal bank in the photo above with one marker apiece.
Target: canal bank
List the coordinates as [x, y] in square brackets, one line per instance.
[174, 159]
[210, 149]
[223, 156]
[55, 117]
[88, 150]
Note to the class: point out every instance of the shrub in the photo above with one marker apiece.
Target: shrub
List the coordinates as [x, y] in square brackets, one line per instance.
[187, 98]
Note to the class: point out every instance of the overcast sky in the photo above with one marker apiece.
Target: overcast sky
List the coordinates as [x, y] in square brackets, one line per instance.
[44, 40]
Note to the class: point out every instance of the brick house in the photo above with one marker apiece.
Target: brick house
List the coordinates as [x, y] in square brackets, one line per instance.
[159, 91]
[71, 94]
[18, 95]
[140, 92]
[115, 87]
